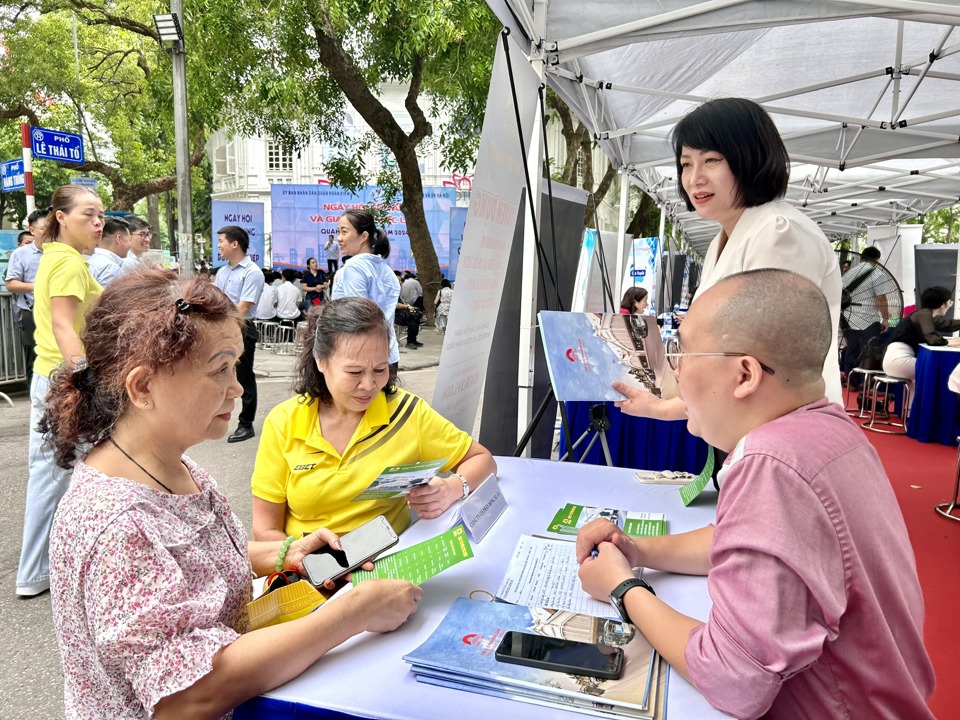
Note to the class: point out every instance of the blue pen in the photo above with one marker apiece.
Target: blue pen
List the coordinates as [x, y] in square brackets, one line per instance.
[594, 553]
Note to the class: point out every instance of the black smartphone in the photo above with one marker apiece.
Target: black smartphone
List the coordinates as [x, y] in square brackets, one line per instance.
[567, 656]
[359, 545]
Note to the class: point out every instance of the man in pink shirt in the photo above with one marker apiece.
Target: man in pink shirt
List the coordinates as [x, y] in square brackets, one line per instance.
[817, 610]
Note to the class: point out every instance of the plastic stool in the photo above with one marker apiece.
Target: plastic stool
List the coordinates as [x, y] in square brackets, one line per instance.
[946, 509]
[867, 378]
[887, 382]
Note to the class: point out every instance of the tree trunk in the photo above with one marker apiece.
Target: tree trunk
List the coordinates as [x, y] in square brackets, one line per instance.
[421, 244]
[153, 217]
[168, 208]
[645, 221]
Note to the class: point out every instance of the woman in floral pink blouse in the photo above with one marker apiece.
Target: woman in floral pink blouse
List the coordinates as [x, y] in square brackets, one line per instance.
[150, 569]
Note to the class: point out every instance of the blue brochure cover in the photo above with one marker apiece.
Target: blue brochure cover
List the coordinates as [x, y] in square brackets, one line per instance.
[461, 652]
[587, 352]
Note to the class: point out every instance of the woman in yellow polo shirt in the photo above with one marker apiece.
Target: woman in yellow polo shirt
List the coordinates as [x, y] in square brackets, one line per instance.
[63, 290]
[324, 446]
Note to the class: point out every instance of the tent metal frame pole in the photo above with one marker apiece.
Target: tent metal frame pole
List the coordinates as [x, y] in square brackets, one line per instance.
[923, 73]
[897, 65]
[528, 284]
[522, 13]
[912, 6]
[620, 263]
[564, 47]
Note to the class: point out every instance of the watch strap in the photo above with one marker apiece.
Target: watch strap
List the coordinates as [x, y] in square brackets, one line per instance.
[616, 595]
[465, 484]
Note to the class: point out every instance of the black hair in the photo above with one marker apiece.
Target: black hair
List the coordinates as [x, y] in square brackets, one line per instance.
[934, 297]
[235, 233]
[363, 222]
[741, 131]
[21, 235]
[445, 284]
[873, 253]
[326, 325]
[268, 276]
[135, 222]
[307, 262]
[113, 225]
[289, 274]
[38, 214]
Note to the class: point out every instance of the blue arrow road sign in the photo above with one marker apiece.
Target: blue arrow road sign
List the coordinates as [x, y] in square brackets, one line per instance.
[11, 176]
[56, 145]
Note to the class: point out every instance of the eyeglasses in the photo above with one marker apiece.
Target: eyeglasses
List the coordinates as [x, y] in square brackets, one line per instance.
[144, 235]
[674, 358]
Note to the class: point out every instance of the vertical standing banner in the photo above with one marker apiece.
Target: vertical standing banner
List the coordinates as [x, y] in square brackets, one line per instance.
[249, 216]
[488, 236]
[304, 217]
[458, 220]
[641, 267]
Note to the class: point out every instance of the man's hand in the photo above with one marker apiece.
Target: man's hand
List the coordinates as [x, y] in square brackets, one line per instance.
[640, 403]
[600, 575]
[600, 531]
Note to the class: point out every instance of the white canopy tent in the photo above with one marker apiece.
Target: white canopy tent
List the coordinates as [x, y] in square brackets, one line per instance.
[865, 94]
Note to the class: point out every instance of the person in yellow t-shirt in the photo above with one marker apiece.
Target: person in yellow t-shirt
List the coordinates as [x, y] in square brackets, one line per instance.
[326, 445]
[63, 290]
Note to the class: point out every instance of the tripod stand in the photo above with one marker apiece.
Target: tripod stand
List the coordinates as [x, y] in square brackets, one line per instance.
[599, 424]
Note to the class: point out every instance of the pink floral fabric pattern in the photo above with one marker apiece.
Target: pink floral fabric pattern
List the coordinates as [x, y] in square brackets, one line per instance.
[146, 588]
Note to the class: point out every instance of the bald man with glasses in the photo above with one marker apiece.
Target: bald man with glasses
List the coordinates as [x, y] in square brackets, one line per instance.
[808, 564]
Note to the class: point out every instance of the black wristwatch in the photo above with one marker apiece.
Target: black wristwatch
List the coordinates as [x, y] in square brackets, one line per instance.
[616, 597]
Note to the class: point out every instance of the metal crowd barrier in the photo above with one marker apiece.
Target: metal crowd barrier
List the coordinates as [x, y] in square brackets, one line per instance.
[13, 363]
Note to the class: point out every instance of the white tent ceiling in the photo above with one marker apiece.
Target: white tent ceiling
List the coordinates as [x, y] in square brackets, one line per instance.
[865, 94]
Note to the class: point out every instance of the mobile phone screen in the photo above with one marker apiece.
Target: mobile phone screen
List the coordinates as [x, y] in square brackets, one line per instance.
[561, 655]
[367, 541]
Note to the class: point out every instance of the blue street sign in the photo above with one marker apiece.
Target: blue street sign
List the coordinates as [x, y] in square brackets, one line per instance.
[56, 145]
[12, 176]
[85, 181]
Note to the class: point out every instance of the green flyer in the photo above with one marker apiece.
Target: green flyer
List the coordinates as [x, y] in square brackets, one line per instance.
[691, 490]
[571, 518]
[423, 560]
[398, 480]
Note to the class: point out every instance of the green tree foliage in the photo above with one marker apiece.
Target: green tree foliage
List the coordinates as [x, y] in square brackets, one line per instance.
[313, 57]
[942, 226]
[116, 91]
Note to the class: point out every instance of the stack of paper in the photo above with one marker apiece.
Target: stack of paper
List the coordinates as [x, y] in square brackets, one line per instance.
[460, 654]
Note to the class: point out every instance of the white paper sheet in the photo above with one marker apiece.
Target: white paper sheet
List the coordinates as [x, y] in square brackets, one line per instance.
[543, 573]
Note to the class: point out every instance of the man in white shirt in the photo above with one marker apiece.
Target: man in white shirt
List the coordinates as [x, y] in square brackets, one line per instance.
[21, 272]
[411, 292]
[140, 236]
[267, 307]
[106, 263]
[242, 281]
[288, 297]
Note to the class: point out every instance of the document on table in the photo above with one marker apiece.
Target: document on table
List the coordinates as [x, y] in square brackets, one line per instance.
[543, 573]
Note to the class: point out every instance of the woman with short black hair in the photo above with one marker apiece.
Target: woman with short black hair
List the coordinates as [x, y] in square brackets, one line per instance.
[733, 168]
[928, 325]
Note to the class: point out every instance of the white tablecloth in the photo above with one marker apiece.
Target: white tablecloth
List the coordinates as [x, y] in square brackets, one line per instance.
[367, 676]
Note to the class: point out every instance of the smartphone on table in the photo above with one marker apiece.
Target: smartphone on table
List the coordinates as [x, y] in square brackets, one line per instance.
[566, 656]
[359, 545]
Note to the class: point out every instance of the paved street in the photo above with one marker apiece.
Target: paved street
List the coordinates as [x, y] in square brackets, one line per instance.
[31, 684]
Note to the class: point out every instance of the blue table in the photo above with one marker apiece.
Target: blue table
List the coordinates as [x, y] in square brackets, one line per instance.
[638, 442]
[933, 417]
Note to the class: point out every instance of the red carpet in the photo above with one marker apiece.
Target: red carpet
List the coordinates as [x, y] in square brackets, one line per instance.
[922, 475]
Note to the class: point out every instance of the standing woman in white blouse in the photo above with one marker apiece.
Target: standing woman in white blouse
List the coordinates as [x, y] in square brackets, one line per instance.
[733, 168]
